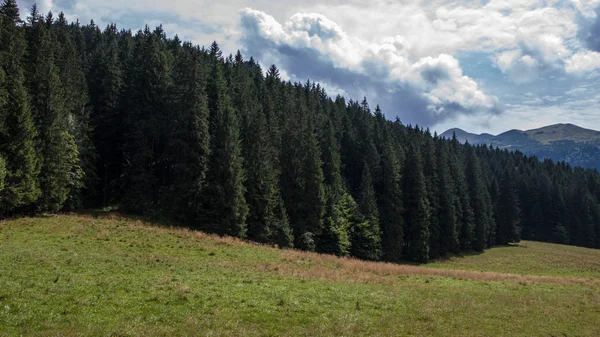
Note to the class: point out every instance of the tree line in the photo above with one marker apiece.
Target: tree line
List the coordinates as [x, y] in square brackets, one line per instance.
[94, 117]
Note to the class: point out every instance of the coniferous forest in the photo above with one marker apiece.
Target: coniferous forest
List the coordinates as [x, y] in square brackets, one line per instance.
[96, 117]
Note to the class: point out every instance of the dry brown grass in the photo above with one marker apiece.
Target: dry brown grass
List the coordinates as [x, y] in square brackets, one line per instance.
[381, 272]
[308, 265]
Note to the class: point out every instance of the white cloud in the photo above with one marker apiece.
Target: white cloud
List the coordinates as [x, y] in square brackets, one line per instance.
[433, 85]
[583, 62]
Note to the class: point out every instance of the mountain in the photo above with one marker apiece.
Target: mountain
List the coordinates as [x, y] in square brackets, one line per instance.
[560, 142]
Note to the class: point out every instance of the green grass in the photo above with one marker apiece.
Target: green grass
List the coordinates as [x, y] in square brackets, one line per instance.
[76, 275]
[531, 258]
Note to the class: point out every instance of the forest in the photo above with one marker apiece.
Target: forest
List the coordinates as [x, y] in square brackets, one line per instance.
[149, 125]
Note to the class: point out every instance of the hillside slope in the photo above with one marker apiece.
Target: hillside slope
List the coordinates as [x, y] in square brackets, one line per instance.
[560, 142]
[77, 275]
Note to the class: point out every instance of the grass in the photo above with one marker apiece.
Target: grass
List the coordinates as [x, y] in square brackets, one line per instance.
[531, 258]
[78, 275]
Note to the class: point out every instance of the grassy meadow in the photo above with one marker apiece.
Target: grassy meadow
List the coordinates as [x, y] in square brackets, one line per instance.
[74, 275]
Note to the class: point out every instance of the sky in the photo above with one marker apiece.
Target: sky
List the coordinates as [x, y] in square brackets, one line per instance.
[482, 66]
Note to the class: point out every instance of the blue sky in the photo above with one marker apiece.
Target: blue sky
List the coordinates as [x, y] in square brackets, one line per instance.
[484, 66]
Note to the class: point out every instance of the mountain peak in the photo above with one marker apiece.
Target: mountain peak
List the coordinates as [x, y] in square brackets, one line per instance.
[559, 142]
[562, 132]
[461, 135]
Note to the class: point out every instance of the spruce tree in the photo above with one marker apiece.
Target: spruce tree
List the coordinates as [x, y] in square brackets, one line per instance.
[337, 220]
[366, 234]
[391, 205]
[187, 149]
[416, 207]
[60, 168]
[446, 213]
[479, 198]
[432, 184]
[17, 130]
[465, 224]
[148, 109]
[302, 175]
[72, 78]
[224, 206]
[508, 211]
[267, 219]
[106, 85]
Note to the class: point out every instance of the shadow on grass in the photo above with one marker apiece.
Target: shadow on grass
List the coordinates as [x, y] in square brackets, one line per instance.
[474, 253]
[114, 212]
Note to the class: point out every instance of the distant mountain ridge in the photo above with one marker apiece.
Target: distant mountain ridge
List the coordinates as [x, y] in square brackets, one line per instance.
[560, 142]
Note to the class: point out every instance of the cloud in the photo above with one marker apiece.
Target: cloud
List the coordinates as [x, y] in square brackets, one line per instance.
[583, 62]
[591, 31]
[308, 45]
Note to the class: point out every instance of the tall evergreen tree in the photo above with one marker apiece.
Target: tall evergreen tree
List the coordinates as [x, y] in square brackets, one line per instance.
[224, 205]
[148, 109]
[391, 205]
[447, 213]
[17, 130]
[432, 185]
[187, 149]
[302, 175]
[416, 207]
[267, 219]
[508, 211]
[366, 234]
[60, 168]
[479, 200]
[338, 213]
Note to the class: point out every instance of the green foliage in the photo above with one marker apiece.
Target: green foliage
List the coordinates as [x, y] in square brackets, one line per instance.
[447, 202]
[479, 200]
[2, 173]
[224, 208]
[366, 235]
[508, 212]
[417, 209]
[301, 171]
[391, 207]
[17, 129]
[60, 162]
[340, 217]
[188, 140]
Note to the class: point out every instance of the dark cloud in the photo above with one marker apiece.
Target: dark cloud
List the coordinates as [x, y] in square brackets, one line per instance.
[589, 30]
[434, 75]
[593, 34]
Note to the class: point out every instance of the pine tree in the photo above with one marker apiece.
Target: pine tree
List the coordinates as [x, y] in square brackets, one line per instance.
[391, 206]
[267, 219]
[465, 224]
[366, 235]
[338, 210]
[508, 211]
[302, 175]
[148, 108]
[187, 149]
[60, 168]
[224, 206]
[416, 208]
[432, 185]
[447, 212]
[479, 198]
[105, 82]
[72, 78]
[17, 130]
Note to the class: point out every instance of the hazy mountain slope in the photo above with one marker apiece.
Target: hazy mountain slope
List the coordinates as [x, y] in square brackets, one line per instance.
[560, 142]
